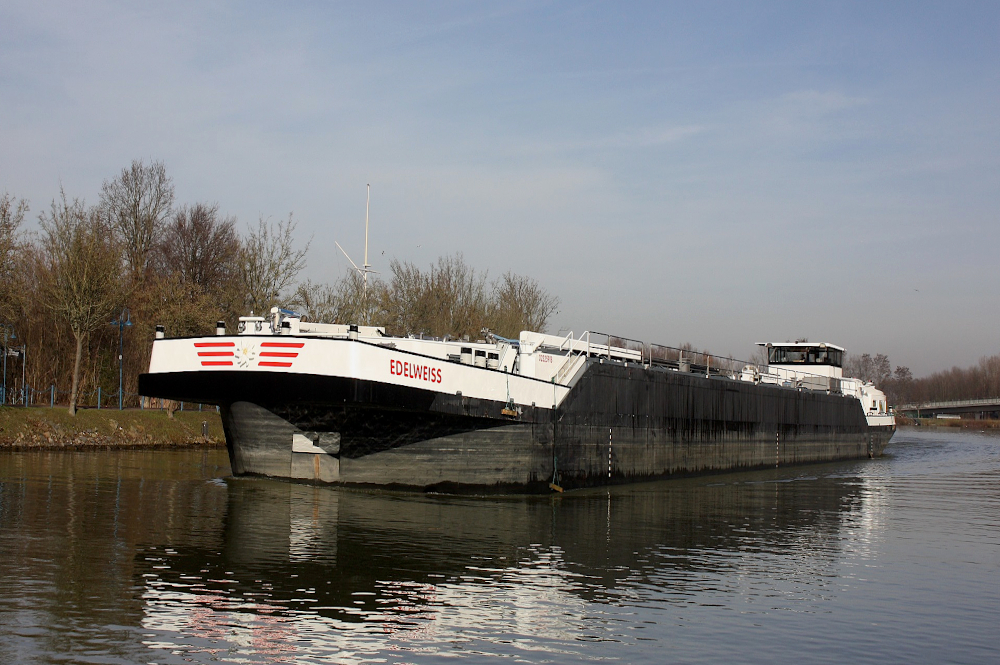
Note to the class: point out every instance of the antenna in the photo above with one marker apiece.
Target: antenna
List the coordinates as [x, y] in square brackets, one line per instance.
[363, 271]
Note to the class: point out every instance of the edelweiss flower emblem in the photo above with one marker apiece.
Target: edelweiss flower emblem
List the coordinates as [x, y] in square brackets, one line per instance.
[246, 355]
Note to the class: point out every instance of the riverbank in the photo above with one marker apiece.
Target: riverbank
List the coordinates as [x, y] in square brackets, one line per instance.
[37, 428]
[949, 423]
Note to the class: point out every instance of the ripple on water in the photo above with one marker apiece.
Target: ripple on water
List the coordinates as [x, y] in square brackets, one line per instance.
[148, 558]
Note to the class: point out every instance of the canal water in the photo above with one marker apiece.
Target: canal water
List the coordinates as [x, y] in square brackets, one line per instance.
[161, 557]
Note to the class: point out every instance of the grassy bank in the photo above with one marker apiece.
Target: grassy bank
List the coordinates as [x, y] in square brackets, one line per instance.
[42, 427]
[950, 423]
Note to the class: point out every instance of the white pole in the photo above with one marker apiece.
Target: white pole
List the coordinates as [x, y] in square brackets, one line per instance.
[367, 203]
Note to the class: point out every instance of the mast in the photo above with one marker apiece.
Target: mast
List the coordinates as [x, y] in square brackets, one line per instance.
[366, 267]
[368, 200]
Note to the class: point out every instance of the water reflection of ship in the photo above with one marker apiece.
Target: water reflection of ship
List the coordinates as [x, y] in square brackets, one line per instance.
[347, 554]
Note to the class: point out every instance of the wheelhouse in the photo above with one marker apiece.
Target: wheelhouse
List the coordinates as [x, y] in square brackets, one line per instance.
[800, 353]
[806, 360]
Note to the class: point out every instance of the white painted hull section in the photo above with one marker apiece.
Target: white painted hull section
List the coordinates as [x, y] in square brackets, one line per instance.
[350, 359]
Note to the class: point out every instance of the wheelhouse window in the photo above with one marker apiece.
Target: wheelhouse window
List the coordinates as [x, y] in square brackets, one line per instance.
[805, 355]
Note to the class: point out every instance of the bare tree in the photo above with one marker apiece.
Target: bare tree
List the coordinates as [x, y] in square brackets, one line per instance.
[406, 303]
[318, 302]
[867, 368]
[758, 357]
[346, 301]
[899, 387]
[81, 272]
[451, 298]
[12, 213]
[138, 203]
[199, 246]
[269, 263]
[519, 303]
[976, 382]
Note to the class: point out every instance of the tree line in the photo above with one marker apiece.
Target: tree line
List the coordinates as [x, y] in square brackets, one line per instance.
[976, 382]
[137, 253]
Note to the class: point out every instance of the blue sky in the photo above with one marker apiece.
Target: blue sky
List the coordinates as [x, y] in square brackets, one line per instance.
[713, 173]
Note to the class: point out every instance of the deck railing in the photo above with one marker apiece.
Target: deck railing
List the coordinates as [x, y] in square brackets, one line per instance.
[618, 347]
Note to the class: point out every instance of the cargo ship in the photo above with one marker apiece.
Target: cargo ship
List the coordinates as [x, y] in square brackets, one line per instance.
[349, 404]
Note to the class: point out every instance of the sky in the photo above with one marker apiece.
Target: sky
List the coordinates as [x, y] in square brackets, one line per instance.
[718, 173]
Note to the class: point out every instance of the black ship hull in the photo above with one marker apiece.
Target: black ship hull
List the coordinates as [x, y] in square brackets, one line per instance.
[619, 423]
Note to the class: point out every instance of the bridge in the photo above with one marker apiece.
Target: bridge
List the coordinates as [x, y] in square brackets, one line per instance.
[988, 408]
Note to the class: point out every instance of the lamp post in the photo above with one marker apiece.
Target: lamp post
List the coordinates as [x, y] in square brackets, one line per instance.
[8, 334]
[24, 374]
[124, 319]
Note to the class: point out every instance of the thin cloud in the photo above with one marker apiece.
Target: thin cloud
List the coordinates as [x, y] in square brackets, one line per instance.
[646, 137]
[636, 139]
[818, 102]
